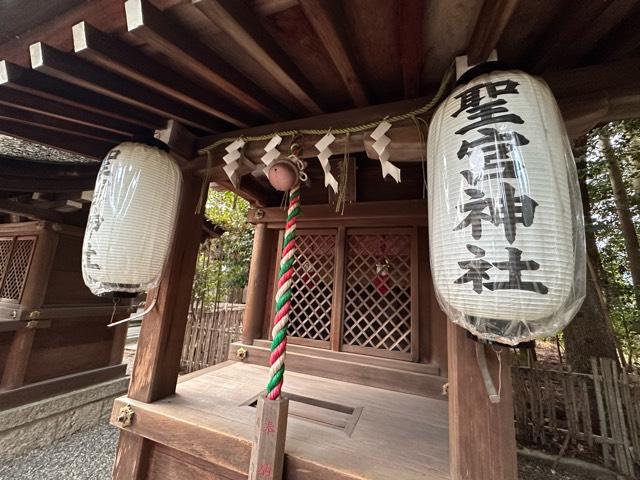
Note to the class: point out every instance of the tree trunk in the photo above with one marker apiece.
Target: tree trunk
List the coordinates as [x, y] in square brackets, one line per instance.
[590, 333]
[624, 214]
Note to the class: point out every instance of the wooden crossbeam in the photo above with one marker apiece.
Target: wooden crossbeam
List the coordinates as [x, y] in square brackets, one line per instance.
[78, 72]
[30, 211]
[40, 85]
[20, 168]
[492, 21]
[154, 27]
[324, 23]
[114, 55]
[234, 18]
[38, 119]
[54, 138]
[44, 184]
[32, 103]
[409, 22]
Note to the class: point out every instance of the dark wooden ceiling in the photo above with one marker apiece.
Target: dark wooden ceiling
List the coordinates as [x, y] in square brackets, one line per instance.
[84, 76]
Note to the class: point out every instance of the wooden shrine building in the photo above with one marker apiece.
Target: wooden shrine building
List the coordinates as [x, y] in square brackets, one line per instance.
[369, 354]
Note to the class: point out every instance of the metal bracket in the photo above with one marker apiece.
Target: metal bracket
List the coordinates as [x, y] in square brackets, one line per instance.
[125, 416]
[241, 353]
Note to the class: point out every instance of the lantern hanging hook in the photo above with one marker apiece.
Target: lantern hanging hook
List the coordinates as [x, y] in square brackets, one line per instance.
[481, 357]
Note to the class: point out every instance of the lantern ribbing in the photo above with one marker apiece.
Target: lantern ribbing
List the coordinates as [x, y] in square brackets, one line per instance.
[283, 298]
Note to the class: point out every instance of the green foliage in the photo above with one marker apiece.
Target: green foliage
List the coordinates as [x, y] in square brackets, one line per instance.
[223, 263]
[616, 281]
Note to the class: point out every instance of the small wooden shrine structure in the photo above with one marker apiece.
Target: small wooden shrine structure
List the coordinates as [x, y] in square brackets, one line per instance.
[53, 332]
[368, 357]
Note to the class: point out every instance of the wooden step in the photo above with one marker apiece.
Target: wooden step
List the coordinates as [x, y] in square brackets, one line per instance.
[426, 368]
[353, 368]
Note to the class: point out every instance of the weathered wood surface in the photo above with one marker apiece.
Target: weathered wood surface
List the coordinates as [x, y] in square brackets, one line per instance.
[482, 442]
[587, 414]
[398, 436]
[267, 454]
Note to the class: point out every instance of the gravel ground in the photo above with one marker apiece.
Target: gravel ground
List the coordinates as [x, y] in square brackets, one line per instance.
[89, 455]
[85, 455]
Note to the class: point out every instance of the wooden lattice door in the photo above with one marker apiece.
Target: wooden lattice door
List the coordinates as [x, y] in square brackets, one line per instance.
[312, 288]
[380, 293]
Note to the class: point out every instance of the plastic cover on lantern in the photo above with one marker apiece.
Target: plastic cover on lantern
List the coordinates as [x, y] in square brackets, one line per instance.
[506, 227]
[132, 219]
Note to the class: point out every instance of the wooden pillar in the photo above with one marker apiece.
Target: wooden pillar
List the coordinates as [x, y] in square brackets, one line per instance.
[482, 440]
[17, 359]
[155, 371]
[259, 272]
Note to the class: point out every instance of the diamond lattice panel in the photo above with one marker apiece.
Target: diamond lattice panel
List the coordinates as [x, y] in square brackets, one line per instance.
[312, 287]
[5, 254]
[378, 292]
[18, 269]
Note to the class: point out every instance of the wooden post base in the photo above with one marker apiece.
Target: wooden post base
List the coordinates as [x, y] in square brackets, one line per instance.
[267, 456]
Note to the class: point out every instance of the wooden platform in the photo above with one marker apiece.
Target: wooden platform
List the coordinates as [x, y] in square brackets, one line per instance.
[336, 430]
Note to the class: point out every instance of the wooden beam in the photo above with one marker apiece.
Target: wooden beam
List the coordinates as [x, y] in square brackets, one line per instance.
[178, 139]
[119, 57]
[40, 105]
[614, 14]
[409, 21]
[30, 211]
[132, 457]
[325, 23]
[35, 83]
[157, 363]
[620, 43]
[10, 166]
[482, 439]
[17, 359]
[152, 26]
[76, 71]
[234, 18]
[41, 120]
[252, 191]
[62, 140]
[492, 21]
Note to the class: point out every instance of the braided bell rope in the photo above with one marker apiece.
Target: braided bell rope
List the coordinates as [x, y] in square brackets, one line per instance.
[283, 298]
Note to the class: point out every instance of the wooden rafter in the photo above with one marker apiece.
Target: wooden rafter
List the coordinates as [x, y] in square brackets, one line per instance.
[614, 13]
[492, 21]
[409, 32]
[40, 105]
[21, 168]
[83, 74]
[38, 84]
[154, 27]
[38, 119]
[235, 19]
[326, 25]
[36, 212]
[621, 42]
[55, 138]
[119, 57]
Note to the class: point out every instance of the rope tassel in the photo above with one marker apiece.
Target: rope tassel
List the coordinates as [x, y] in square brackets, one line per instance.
[283, 298]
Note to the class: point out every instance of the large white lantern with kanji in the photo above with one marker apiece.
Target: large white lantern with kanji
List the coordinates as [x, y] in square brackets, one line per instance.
[132, 220]
[505, 217]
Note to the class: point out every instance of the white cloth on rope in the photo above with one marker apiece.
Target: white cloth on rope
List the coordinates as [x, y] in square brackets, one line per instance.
[231, 159]
[380, 146]
[323, 155]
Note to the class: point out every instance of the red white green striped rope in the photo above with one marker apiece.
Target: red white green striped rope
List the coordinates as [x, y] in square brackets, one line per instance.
[283, 298]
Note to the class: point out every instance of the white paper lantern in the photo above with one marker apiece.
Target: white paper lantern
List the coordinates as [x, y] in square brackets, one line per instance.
[505, 217]
[132, 219]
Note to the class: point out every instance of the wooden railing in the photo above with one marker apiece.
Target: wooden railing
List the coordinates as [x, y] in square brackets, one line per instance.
[596, 416]
[208, 335]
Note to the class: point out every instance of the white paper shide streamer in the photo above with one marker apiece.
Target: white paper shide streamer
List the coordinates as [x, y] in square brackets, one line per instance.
[232, 160]
[505, 217]
[132, 219]
[324, 155]
[380, 146]
[272, 151]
